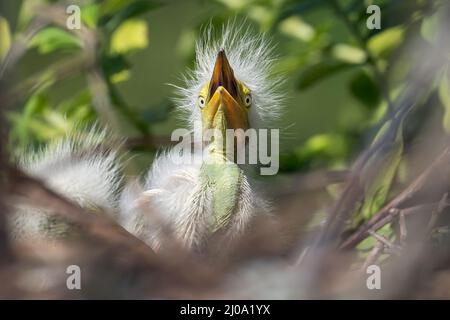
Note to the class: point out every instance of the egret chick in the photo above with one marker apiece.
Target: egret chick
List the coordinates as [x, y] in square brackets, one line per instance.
[230, 88]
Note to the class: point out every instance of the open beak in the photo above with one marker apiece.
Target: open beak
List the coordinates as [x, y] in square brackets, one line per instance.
[223, 110]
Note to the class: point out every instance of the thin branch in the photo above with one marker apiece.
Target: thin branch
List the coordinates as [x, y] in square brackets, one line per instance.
[437, 212]
[385, 242]
[403, 229]
[432, 176]
[373, 256]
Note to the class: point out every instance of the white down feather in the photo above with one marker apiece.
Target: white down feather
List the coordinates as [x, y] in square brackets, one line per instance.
[79, 168]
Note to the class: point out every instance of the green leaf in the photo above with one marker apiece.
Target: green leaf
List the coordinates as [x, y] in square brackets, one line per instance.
[111, 6]
[368, 243]
[5, 37]
[71, 105]
[297, 28]
[130, 35]
[261, 14]
[51, 39]
[43, 132]
[349, 54]
[383, 43]
[430, 27]
[379, 172]
[333, 145]
[444, 95]
[131, 10]
[57, 121]
[21, 134]
[120, 76]
[364, 88]
[90, 15]
[315, 73]
[113, 64]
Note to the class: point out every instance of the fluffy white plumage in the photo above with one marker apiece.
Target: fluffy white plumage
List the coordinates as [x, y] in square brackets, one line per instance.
[175, 200]
[147, 210]
[79, 168]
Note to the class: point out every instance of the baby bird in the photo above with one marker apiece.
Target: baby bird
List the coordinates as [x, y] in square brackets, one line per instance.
[211, 194]
[229, 89]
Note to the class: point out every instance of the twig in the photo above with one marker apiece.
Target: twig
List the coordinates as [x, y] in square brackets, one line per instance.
[386, 242]
[373, 256]
[432, 175]
[403, 229]
[436, 213]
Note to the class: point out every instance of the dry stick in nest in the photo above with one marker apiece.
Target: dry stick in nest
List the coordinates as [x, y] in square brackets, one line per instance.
[100, 227]
[383, 243]
[431, 177]
[393, 213]
[373, 256]
[437, 212]
[403, 230]
[380, 247]
[386, 242]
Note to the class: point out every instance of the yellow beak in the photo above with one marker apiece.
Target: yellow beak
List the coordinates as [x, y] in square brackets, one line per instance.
[223, 111]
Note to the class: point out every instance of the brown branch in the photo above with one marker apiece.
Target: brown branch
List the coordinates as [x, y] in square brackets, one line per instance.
[385, 242]
[437, 212]
[373, 256]
[403, 229]
[432, 178]
[103, 229]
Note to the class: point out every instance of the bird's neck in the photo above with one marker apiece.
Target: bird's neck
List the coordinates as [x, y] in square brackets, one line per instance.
[222, 177]
[217, 149]
[224, 148]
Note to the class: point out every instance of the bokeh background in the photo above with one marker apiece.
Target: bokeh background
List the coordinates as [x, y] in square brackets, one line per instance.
[326, 53]
[364, 132]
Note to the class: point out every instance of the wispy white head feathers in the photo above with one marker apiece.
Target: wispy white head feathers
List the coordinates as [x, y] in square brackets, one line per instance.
[251, 58]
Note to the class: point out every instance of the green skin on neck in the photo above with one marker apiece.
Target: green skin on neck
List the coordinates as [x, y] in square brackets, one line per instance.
[221, 175]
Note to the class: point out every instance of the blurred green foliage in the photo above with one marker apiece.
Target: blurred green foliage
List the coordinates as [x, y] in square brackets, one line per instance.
[340, 75]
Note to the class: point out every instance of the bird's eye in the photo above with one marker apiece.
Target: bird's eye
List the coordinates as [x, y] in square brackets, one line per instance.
[201, 102]
[248, 100]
